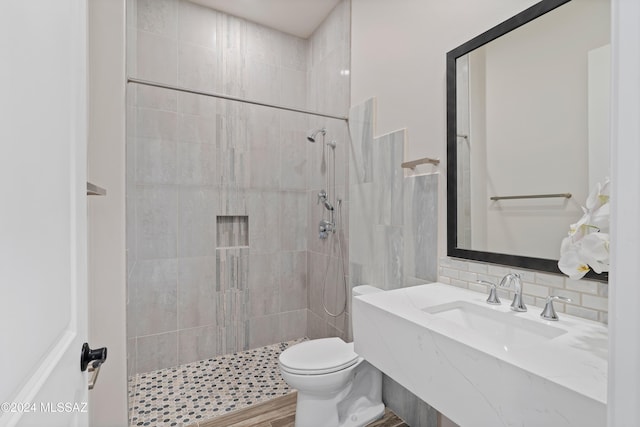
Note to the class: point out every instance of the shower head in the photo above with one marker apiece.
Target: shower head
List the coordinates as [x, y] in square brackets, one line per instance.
[311, 136]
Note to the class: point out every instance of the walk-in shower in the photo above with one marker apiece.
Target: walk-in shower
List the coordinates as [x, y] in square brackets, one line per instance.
[223, 253]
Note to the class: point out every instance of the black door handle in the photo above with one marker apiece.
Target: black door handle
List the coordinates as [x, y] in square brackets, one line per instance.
[87, 356]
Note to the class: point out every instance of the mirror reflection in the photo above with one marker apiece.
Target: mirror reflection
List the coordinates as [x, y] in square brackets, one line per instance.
[532, 131]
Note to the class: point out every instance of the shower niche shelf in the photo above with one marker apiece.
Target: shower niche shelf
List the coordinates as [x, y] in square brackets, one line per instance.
[232, 231]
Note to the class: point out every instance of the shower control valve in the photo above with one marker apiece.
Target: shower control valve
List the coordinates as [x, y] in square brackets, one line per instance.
[326, 227]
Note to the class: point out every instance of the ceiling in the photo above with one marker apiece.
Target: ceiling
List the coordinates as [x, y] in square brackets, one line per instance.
[297, 17]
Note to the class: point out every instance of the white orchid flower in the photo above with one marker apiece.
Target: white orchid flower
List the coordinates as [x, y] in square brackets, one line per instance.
[571, 265]
[581, 228]
[567, 245]
[587, 245]
[599, 218]
[591, 221]
[591, 252]
[594, 249]
[599, 196]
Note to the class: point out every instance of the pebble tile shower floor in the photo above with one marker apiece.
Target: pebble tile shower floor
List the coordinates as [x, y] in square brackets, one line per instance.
[205, 389]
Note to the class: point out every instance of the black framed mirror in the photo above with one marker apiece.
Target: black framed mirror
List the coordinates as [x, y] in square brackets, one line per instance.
[522, 99]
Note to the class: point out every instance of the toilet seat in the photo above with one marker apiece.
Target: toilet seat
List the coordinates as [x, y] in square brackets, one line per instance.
[317, 357]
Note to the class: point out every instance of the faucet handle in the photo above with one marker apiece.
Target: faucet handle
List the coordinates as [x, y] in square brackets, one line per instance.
[493, 295]
[549, 313]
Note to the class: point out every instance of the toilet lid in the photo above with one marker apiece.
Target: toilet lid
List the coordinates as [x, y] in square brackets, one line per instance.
[315, 357]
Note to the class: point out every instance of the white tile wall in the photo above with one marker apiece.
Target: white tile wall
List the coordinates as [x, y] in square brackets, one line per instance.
[589, 298]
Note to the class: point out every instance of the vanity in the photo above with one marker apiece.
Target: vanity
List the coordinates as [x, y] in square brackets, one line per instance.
[527, 137]
[485, 365]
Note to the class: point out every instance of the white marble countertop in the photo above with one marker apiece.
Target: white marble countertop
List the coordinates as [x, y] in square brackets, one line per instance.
[576, 359]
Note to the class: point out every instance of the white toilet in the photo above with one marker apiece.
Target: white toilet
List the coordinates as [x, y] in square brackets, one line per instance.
[336, 387]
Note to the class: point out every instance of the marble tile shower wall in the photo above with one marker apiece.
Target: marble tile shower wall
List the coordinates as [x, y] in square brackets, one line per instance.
[328, 64]
[393, 234]
[191, 159]
[393, 218]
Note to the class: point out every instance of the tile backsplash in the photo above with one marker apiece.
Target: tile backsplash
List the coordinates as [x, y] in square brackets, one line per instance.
[589, 299]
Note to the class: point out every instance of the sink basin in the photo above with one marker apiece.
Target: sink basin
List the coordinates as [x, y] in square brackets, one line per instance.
[485, 365]
[505, 328]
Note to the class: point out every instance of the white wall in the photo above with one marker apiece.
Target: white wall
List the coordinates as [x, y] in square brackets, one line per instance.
[398, 56]
[106, 168]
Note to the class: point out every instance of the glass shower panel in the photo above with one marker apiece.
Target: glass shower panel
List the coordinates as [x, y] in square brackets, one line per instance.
[193, 160]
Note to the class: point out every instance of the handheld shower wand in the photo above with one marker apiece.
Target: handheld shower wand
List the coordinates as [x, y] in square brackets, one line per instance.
[330, 226]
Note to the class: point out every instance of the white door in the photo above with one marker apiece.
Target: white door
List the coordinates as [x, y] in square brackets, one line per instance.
[43, 277]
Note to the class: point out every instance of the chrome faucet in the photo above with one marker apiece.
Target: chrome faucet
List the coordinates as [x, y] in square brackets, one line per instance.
[493, 298]
[517, 304]
[549, 313]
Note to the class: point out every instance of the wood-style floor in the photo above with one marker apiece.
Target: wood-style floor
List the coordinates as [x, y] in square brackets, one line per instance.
[280, 412]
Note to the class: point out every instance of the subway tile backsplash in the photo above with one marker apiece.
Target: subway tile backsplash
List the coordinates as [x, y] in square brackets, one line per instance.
[589, 298]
